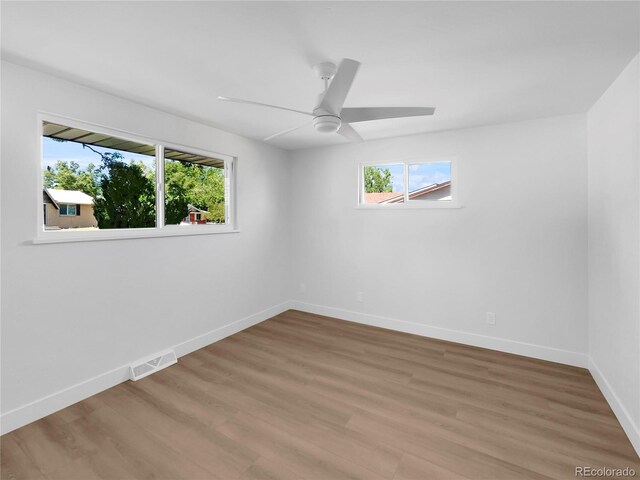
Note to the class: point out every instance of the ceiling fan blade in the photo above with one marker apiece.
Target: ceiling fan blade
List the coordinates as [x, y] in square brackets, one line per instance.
[276, 135]
[339, 87]
[352, 115]
[349, 133]
[239, 100]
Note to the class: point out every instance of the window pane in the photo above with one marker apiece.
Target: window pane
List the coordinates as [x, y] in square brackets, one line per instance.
[112, 179]
[63, 209]
[430, 181]
[194, 189]
[383, 184]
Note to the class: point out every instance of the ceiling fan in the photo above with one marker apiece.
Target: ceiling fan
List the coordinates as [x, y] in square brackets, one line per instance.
[329, 116]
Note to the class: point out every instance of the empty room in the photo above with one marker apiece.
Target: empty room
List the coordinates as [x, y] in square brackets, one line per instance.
[320, 240]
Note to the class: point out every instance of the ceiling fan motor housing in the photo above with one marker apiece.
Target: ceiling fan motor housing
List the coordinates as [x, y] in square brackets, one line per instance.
[327, 123]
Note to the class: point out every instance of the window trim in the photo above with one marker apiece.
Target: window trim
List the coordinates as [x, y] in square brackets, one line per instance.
[410, 204]
[160, 230]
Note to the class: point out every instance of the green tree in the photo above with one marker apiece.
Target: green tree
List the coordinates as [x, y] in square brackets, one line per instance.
[127, 194]
[176, 187]
[377, 180]
[69, 176]
[191, 184]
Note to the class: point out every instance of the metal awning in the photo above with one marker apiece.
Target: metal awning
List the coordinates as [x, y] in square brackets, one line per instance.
[78, 135]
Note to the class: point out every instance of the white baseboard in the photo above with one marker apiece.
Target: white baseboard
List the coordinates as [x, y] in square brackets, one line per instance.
[42, 407]
[213, 336]
[494, 343]
[630, 428]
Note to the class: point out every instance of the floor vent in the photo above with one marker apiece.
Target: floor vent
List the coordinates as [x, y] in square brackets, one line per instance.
[150, 365]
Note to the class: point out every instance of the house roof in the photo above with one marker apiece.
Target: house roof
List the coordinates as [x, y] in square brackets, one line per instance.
[68, 196]
[398, 197]
[381, 197]
[194, 209]
[434, 187]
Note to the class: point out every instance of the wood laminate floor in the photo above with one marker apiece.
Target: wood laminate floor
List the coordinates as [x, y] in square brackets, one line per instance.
[307, 397]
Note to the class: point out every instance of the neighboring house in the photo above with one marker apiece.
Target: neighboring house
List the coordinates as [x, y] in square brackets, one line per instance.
[433, 192]
[67, 209]
[196, 215]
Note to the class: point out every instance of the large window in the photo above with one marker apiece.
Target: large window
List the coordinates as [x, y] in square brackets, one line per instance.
[93, 180]
[408, 184]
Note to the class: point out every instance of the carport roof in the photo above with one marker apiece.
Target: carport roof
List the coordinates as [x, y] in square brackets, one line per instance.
[78, 135]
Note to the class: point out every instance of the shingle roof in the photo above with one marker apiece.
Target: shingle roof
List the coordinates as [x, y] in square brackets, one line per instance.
[69, 196]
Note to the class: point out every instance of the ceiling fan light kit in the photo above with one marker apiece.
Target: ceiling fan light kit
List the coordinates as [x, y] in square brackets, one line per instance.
[329, 116]
[327, 123]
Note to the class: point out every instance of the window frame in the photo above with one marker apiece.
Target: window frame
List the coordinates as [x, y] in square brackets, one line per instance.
[409, 204]
[160, 230]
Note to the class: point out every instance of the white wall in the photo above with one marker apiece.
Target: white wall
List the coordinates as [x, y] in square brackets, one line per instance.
[614, 246]
[125, 299]
[517, 248]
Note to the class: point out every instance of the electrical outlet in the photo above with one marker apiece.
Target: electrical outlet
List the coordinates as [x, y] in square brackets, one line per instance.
[360, 296]
[491, 318]
[303, 288]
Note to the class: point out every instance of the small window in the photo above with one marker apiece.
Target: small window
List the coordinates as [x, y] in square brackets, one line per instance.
[411, 184]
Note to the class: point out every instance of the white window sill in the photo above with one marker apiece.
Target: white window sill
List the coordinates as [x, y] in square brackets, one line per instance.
[409, 206]
[67, 236]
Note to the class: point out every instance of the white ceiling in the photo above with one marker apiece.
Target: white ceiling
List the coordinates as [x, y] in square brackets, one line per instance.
[477, 62]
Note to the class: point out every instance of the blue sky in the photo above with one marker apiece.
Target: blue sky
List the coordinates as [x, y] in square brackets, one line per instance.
[423, 174]
[420, 175]
[53, 151]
